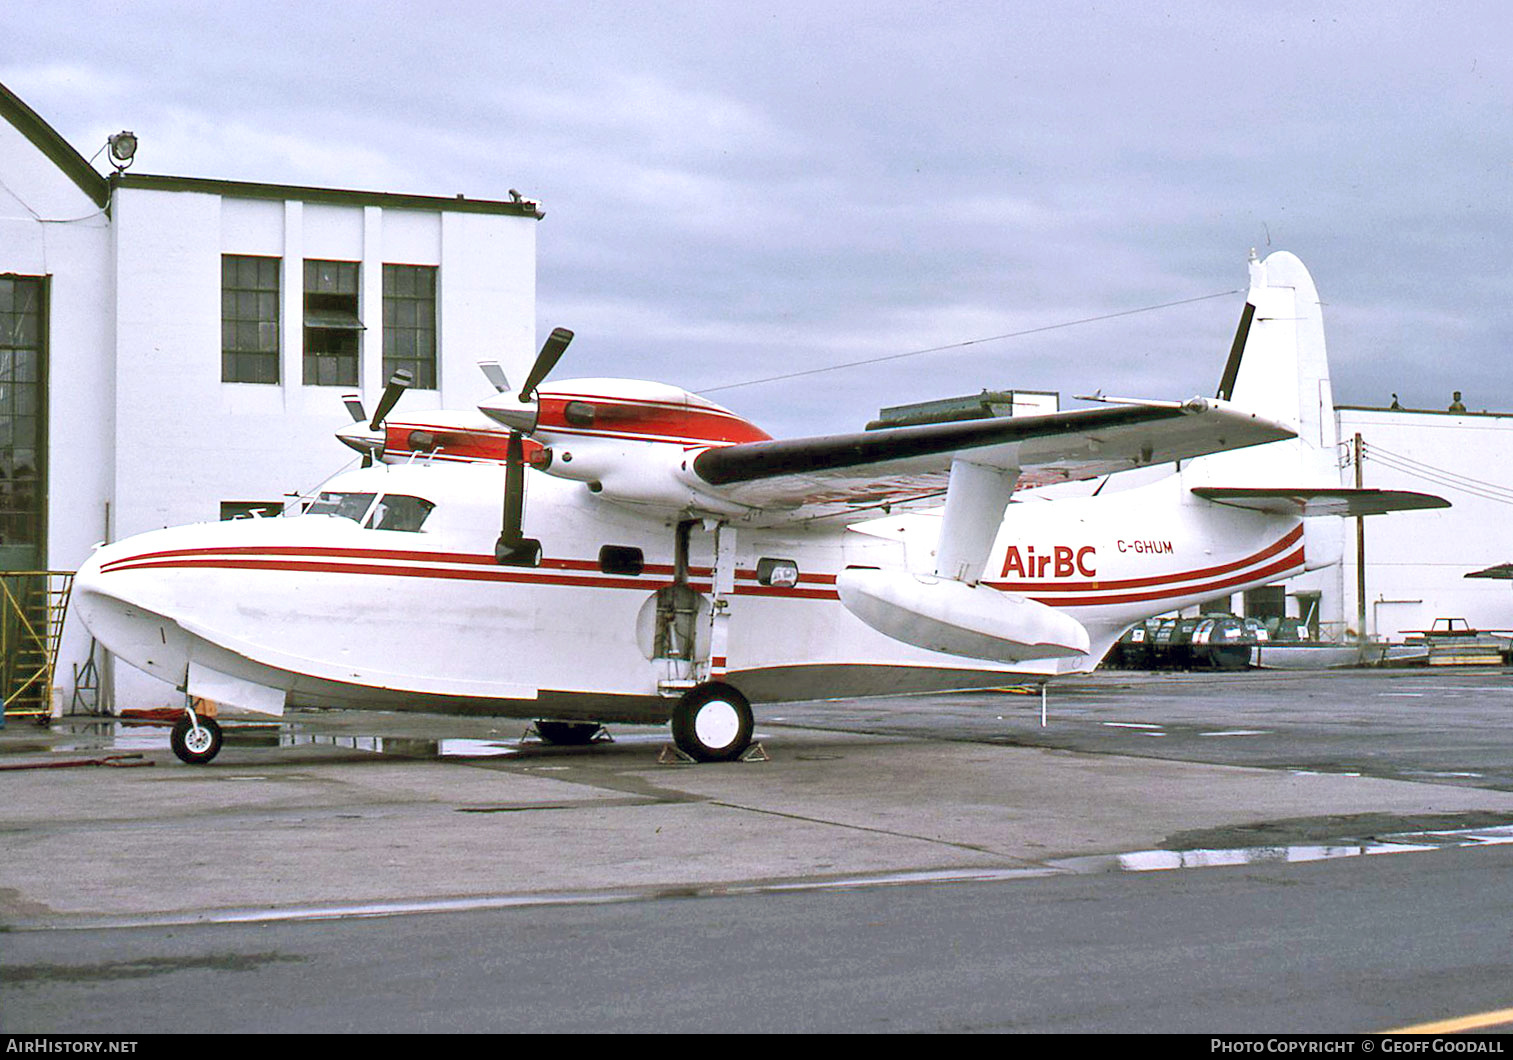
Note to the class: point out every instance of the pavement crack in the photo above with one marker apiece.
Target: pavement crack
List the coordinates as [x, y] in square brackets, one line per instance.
[873, 830]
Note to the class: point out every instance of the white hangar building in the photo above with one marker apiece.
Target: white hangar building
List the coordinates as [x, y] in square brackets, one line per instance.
[1417, 562]
[175, 350]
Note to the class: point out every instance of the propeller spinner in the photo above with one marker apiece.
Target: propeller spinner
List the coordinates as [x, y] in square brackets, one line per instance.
[521, 416]
[368, 439]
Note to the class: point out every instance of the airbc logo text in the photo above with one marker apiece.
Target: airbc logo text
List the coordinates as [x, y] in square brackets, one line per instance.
[1061, 561]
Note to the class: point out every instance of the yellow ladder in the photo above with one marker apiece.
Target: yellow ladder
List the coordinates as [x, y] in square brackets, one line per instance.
[33, 605]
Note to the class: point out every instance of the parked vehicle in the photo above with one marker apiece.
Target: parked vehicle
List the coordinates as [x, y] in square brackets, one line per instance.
[1220, 642]
[1201, 642]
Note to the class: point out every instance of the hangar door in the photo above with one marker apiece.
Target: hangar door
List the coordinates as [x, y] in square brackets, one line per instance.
[23, 422]
[27, 597]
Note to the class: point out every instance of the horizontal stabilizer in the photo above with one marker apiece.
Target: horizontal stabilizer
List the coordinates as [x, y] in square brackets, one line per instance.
[1312, 502]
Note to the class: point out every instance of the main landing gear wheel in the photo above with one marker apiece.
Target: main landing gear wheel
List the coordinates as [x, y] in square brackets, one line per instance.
[568, 733]
[195, 740]
[712, 723]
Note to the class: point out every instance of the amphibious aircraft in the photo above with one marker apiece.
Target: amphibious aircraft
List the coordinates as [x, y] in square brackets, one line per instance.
[606, 550]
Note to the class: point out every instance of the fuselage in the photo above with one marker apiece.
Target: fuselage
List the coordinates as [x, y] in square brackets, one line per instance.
[386, 593]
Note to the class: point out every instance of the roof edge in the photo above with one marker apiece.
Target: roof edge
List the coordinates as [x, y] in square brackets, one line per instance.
[1479, 414]
[58, 150]
[335, 196]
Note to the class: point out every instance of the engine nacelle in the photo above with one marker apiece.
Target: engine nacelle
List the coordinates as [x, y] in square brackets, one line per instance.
[651, 474]
[941, 614]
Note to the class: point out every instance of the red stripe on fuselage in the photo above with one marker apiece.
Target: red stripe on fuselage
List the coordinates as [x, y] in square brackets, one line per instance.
[310, 552]
[392, 570]
[469, 566]
[582, 573]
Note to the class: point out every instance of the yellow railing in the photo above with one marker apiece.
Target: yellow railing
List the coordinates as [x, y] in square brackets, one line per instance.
[33, 605]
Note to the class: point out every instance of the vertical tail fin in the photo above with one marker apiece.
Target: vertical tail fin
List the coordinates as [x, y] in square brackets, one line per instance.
[1278, 367]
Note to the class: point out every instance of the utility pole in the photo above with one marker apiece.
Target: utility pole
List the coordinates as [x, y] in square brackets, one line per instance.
[1360, 549]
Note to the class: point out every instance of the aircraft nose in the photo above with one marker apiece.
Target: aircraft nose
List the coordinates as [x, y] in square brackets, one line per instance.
[104, 601]
[89, 578]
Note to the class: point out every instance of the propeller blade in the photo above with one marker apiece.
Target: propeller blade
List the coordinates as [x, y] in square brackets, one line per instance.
[513, 548]
[354, 407]
[495, 375]
[399, 382]
[551, 352]
[514, 490]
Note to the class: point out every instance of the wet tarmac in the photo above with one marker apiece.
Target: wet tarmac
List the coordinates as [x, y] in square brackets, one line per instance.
[332, 816]
[954, 784]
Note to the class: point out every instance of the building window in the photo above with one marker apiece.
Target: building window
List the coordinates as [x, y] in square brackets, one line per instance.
[249, 319]
[332, 327]
[410, 322]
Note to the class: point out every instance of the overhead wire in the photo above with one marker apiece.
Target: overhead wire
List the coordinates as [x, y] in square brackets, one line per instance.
[968, 342]
[1440, 476]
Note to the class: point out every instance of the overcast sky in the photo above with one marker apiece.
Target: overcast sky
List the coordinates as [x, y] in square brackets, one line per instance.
[741, 190]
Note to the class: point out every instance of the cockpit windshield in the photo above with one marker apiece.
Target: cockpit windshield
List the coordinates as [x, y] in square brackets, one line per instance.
[392, 511]
[347, 505]
[395, 511]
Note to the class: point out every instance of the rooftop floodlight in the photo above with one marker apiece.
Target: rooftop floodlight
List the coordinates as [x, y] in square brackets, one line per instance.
[123, 148]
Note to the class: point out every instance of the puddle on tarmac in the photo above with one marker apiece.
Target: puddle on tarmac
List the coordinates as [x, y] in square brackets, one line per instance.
[1406, 842]
[97, 735]
[107, 735]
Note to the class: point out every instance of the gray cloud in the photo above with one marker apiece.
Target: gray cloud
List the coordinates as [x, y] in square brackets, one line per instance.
[734, 192]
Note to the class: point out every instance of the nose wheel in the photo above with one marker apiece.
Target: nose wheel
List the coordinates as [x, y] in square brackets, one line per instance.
[712, 723]
[196, 740]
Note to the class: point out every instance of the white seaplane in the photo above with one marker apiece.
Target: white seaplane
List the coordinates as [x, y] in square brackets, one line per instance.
[674, 563]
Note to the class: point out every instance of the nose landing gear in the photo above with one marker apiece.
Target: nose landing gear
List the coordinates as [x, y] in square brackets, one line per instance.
[195, 739]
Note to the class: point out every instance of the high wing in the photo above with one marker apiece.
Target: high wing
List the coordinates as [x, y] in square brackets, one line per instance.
[814, 477]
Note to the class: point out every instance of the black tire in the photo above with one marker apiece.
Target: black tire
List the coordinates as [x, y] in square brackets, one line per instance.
[712, 723]
[195, 748]
[568, 733]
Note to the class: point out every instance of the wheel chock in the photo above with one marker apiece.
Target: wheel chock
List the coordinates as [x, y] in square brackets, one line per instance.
[672, 756]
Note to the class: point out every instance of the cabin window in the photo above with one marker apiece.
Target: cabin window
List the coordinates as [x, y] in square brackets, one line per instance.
[347, 505]
[780, 573]
[333, 330]
[621, 559]
[395, 511]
